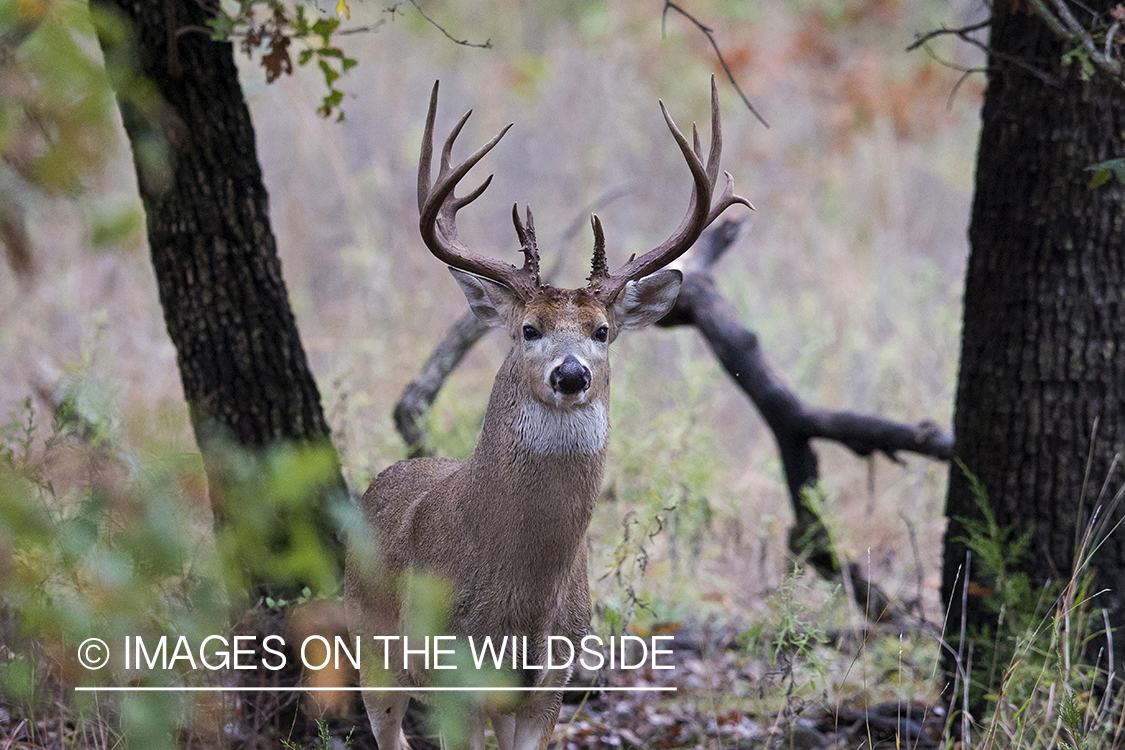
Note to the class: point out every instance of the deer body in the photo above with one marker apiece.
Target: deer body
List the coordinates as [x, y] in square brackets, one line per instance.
[508, 525]
[506, 529]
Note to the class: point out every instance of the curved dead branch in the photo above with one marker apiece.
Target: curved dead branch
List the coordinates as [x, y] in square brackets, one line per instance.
[415, 402]
[794, 423]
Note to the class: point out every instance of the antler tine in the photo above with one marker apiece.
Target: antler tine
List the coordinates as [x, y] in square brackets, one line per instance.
[425, 157]
[716, 138]
[438, 206]
[528, 245]
[600, 269]
[700, 213]
[727, 199]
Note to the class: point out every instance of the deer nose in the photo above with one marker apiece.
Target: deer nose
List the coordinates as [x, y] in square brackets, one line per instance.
[570, 377]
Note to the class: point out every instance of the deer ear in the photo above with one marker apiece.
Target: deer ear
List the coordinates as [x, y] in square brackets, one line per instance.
[493, 304]
[647, 300]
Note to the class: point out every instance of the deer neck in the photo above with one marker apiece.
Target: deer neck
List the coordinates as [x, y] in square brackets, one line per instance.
[538, 469]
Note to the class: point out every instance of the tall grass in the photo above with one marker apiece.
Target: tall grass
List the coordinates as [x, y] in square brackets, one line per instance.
[1048, 669]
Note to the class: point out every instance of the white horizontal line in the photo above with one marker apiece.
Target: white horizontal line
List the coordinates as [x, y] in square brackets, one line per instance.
[146, 689]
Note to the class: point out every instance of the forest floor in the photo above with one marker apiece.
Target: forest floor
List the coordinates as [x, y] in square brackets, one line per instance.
[728, 698]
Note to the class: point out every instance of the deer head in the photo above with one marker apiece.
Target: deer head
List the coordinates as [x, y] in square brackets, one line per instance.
[562, 335]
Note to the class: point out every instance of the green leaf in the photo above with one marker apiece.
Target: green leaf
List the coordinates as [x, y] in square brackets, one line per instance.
[324, 28]
[330, 75]
[301, 22]
[1083, 56]
[221, 27]
[330, 102]
[1102, 171]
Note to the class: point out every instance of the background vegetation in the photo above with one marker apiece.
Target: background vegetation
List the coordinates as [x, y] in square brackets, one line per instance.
[851, 273]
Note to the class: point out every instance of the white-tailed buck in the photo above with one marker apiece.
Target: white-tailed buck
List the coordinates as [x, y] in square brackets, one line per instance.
[507, 528]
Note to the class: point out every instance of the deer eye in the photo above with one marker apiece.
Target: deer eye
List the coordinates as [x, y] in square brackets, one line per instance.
[530, 333]
[602, 333]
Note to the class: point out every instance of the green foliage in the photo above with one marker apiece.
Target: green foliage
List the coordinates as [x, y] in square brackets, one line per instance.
[56, 124]
[1103, 170]
[998, 553]
[272, 515]
[1005, 591]
[324, 740]
[99, 540]
[259, 23]
[628, 563]
[791, 635]
[662, 472]
[107, 559]
[1035, 649]
[1081, 55]
[58, 121]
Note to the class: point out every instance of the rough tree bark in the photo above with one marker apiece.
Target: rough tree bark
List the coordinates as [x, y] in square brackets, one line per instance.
[1040, 410]
[245, 375]
[243, 368]
[242, 364]
[793, 423]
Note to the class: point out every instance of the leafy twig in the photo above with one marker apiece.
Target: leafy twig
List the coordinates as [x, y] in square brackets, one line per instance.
[1061, 21]
[964, 33]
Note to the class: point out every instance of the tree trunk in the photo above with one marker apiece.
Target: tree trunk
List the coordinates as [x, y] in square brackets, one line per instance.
[244, 371]
[1040, 410]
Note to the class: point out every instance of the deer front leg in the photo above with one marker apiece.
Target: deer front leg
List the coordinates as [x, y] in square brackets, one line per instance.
[504, 727]
[385, 712]
[534, 722]
[531, 725]
[475, 729]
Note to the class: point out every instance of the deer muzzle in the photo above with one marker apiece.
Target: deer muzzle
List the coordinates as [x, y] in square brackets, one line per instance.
[570, 377]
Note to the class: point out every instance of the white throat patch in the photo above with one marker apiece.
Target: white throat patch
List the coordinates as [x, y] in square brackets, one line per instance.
[554, 432]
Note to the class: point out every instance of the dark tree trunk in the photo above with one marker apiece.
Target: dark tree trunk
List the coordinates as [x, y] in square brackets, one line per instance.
[244, 371]
[1041, 397]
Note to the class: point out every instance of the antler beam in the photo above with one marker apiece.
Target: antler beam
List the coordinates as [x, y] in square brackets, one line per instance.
[700, 213]
[438, 206]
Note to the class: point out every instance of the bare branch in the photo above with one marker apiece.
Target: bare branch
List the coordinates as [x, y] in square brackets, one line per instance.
[739, 351]
[416, 400]
[957, 86]
[709, 33]
[961, 33]
[793, 423]
[1096, 40]
[463, 42]
[965, 34]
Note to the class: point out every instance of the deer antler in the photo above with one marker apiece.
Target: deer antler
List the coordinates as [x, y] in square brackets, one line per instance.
[700, 212]
[438, 206]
